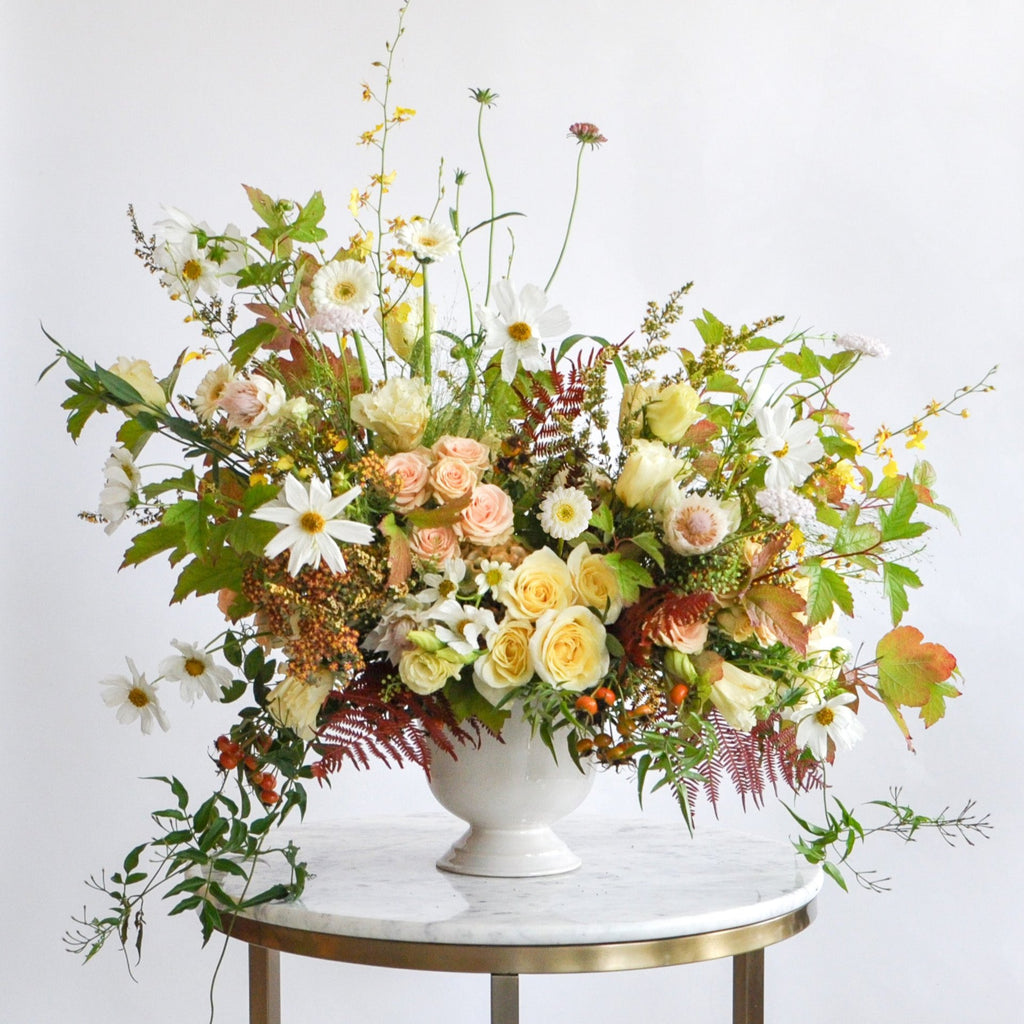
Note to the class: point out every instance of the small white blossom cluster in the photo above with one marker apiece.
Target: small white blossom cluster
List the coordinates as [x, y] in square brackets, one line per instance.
[865, 346]
[784, 506]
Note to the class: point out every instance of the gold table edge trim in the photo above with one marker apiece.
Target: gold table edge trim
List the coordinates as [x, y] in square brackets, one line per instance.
[530, 959]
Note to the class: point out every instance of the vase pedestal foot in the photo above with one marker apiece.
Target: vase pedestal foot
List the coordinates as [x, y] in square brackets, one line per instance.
[509, 853]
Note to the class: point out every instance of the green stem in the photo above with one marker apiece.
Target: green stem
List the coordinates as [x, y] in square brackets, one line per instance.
[490, 186]
[427, 326]
[462, 261]
[572, 214]
[364, 370]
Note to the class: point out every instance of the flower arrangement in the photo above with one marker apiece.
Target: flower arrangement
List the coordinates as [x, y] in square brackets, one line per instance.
[410, 522]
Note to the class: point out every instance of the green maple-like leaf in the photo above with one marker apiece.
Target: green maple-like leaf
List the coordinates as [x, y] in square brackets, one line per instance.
[778, 608]
[912, 673]
[827, 590]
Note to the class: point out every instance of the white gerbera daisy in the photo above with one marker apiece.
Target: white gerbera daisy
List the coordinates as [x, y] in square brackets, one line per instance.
[790, 446]
[211, 387]
[827, 720]
[565, 513]
[428, 240]
[461, 626]
[194, 668]
[134, 699]
[120, 487]
[311, 527]
[343, 291]
[493, 577]
[518, 324]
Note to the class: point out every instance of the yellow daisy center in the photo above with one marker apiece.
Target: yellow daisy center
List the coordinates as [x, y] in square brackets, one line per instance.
[344, 291]
[446, 588]
[493, 577]
[520, 331]
[825, 716]
[312, 522]
[194, 667]
[192, 270]
[138, 697]
[782, 452]
[564, 512]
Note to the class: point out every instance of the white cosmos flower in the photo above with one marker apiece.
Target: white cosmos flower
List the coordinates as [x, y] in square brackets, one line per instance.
[493, 577]
[830, 719]
[134, 699]
[310, 525]
[343, 291]
[461, 626]
[444, 585]
[428, 240]
[517, 325]
[121, 484]
[790, 446]
[194, 668]
[565, 513]
[191, 266]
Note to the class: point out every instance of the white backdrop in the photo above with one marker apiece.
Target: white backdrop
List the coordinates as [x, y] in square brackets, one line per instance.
[855, 166]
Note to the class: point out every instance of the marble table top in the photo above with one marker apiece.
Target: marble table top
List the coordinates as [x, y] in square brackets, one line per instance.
[640, 880]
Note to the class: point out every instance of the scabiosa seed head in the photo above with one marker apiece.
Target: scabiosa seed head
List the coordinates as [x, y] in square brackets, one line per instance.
[586, 134]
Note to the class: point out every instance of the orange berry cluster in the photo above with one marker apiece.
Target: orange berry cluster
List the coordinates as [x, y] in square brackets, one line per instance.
[263, 783]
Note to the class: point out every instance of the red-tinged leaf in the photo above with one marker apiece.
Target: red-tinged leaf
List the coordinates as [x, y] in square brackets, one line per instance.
[399, 556]
[777, 609]
[700, 434]
[910, 670]
[444, 515]
[285, 331]
[765, 556]
[708, 665]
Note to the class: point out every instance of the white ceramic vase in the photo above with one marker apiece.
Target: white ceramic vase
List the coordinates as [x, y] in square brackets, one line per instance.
[510, 793]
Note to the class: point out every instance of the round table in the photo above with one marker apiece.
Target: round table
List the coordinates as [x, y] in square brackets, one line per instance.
[648, 895]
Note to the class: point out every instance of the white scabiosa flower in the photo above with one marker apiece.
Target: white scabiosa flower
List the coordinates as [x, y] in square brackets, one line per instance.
[518, 323]
[865, 346]
[784, 506]
[135, 699]
[310, 525]
[121, 485]
[790, 445]
[196, 671]
[565, 513]
[343, 291]
[694, 524]
[827, 720]
[428, 240]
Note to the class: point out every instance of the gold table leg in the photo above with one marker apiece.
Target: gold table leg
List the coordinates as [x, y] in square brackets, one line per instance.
[748, 988]
[504, 999]
[264, 986]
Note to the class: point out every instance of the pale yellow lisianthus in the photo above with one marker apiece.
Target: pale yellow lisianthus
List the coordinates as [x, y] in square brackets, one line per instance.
[672, 412]
[506, 663]
[426, 671]
[139, 374]
[541, 583]
[596, 582]
[397, 412]
[647, 475]
[568, 648]
[737, 693]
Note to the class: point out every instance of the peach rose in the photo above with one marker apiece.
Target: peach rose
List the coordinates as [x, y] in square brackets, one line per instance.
[451, 478]
[487, 519]
[687, 639]
[473, 453]
[568, 648]
[413, 470]
[540, 584]
[435, 544]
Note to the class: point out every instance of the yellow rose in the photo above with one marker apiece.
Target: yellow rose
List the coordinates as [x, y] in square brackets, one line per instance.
[139, 374]
[507, 663]
[424, 671]
[568, 649]
[737, 693]
[541, 583]
[596, 583]
[647, 475]
[296, 702]
[672, 412]
[397, 412]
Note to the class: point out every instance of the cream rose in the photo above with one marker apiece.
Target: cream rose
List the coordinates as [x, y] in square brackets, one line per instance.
[451, 478]
[139, 374]
[506, 663]
[424, 671]
[595, 582]
[296, 702]
[541, 583]
[475, 454]
[568, 648]
[737, 693]
[413, 471]
[672, 412]
[694, 524]
[647, 475]
[487, 519]
[435, 544]
[396, 411]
